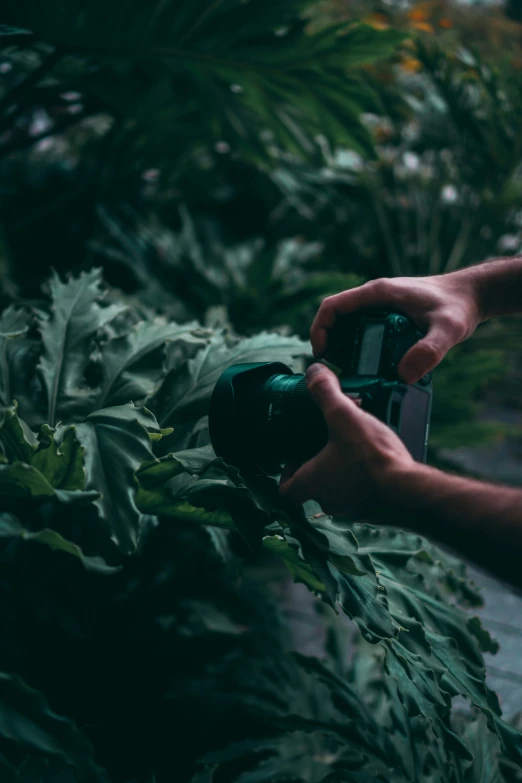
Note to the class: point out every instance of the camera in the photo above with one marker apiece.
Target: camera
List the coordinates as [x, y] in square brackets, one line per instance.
[262, 415]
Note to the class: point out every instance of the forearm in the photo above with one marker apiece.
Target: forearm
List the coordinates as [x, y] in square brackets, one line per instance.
[498, 285]
[483, 522]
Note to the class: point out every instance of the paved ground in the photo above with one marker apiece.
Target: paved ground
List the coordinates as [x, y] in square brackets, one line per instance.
[502, 616]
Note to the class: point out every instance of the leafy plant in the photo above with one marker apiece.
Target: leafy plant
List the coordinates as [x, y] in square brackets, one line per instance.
[86, 117]
[192, 275]
[178, 75]
[136, 610]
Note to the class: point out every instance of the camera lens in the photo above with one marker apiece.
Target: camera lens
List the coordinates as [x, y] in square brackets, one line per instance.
[261, 417]
[287, 422]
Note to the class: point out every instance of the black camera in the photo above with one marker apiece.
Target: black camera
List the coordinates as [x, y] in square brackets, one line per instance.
[261, 414]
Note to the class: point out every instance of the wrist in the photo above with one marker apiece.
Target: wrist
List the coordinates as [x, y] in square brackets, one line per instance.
[407, 490]
[476, 278]
[469, 284]
[496, 285]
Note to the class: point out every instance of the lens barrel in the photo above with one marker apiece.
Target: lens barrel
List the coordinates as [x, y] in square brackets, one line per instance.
[262, 415]
[289, 423]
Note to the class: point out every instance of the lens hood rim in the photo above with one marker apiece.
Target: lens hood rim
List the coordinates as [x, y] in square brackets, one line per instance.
[229, 439]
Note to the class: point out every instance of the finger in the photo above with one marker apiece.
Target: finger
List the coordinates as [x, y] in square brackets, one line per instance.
[339, 411]
[302, 485]
[372, 294]
[289, 469]
[426, 353]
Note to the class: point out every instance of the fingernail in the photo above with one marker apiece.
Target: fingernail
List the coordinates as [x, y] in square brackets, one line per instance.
[313, 370]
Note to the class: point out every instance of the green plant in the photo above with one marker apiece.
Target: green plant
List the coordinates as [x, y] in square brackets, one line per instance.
[191, 274]
[178, 81]
[117, 539]
[86, 114]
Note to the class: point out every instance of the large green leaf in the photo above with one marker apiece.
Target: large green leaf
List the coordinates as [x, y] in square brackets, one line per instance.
[185, 393]
[60, 459]
[196, 486]
[26, 719]
[21, 480]
[486, 751]
[67, 336]
[133, 363]
[42, 468]
[17, 440]
[116, 443]
[11, 528]
[439, 643]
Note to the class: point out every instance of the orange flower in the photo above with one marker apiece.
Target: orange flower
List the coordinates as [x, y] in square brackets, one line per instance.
[378, 21]
[411, 64]
[418, 14]
[423, 27]
[446, 24]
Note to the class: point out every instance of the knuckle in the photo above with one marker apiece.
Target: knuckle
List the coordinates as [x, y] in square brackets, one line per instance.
[380, 287]
[328, 302]
[318, 382]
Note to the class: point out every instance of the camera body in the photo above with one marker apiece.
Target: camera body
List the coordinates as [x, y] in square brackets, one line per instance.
[261, 414]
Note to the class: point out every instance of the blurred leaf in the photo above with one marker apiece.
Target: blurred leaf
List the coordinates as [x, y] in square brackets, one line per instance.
[11, 528]
[162, 68]
[13, 324]
[26, 719]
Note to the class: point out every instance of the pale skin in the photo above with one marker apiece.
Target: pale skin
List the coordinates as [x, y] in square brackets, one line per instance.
[365, 468]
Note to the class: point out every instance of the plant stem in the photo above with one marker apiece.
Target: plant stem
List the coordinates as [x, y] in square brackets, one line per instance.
[395, 260]
[459, 248]
[434, 253]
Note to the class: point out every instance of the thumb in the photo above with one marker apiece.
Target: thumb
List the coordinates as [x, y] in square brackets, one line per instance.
[336, 407]
[301, 485]
[425, 354]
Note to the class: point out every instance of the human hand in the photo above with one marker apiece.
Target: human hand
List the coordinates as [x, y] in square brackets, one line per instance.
[445, 306]
[361, 466]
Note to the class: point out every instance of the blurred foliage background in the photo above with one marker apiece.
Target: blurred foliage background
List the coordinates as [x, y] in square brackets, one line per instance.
[239, 176]
[235, 162]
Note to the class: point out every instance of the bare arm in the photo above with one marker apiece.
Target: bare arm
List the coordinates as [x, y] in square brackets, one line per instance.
[481, 521]
[448, 307]
[499, 286]
[365, 470]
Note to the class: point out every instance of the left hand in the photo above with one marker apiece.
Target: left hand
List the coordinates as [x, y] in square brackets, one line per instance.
[363, 464]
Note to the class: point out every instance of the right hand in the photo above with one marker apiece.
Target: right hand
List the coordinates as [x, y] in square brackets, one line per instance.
[446, 307]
